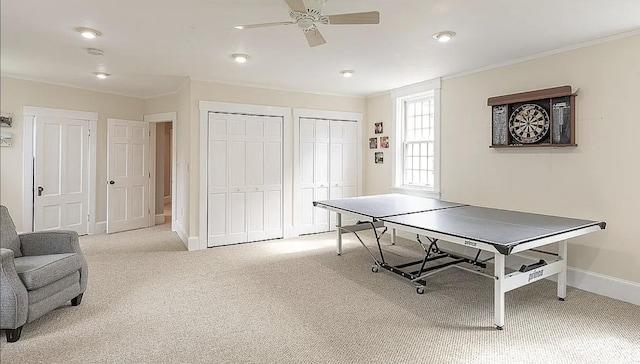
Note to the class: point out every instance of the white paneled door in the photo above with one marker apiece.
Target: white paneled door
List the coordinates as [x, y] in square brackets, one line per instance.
[314, 174]
[343, 161]
[127, 175]
[61, 174]
[244, 174]
[328, 169]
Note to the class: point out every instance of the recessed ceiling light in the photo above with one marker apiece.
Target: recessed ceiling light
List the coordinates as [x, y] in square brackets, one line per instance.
[347, 73]
[101, 75]
[240, 58]
[445, 36]
[88, 32]
[239, 27]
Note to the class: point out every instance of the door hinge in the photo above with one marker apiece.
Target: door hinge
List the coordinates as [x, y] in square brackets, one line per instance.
[87, 218]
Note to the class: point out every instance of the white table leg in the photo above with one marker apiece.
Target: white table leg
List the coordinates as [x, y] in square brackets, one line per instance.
[339, 232]
[393, 236]
[499, 290]
[562, 276]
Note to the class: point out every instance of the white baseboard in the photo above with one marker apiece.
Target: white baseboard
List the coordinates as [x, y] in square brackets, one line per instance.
[597, 283]
[159, 219]
[183, 236]
[190, 242]
[601, 284]
[193, 244]
[100, 228]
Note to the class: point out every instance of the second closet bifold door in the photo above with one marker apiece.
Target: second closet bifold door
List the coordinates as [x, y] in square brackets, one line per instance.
[343, 164]
[244, 178]
[328, 169]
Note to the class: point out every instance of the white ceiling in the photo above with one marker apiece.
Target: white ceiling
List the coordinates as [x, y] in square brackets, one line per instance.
[152, 46]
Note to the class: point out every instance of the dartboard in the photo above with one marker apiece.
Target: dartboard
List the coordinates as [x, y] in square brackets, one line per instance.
[529, 123]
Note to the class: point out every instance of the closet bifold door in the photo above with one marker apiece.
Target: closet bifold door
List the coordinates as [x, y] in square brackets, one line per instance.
[343, 163]
[244, 178]
[314, 174]
[328, 169]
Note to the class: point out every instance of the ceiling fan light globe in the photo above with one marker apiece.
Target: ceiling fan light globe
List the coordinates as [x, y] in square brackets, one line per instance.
[305, 23]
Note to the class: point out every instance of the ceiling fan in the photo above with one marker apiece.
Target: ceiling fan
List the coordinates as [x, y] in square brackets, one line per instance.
[306, 13]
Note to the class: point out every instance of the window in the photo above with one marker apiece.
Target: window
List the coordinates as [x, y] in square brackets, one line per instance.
[417, 130]
[418, 142]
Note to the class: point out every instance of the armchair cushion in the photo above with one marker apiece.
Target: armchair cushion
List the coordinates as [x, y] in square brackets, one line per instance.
[10, 239]
[49, 242]
[40, 270]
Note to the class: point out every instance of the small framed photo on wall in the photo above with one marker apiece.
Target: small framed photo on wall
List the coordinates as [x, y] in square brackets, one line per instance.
[378, 128]
[384, 142]
[379, 157]
[373, 143]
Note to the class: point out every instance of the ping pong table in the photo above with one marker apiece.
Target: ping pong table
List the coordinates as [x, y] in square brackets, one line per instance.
[501, 232]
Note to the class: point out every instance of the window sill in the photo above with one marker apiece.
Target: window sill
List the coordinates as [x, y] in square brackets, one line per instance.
[416, 191]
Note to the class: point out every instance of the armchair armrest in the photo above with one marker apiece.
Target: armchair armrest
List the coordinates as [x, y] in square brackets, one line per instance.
[50, 242]
[13, 294]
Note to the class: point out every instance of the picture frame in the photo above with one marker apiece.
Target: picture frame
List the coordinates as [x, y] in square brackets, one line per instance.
[379, 157]
[373, 143]
[384, 142]
[378, 128]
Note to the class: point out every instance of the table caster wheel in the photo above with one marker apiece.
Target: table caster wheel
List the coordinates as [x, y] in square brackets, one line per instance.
[499, 327]
[375, 269]
[420, 289]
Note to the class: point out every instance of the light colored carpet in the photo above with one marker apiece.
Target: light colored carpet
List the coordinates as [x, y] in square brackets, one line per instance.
[296, 301]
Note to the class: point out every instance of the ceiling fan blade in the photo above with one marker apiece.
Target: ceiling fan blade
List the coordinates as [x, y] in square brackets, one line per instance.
[370, 17]
[297, 5]
[314, 38]
[262, 25]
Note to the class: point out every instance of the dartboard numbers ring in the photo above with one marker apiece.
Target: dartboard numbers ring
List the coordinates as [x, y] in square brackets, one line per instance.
[529, 123]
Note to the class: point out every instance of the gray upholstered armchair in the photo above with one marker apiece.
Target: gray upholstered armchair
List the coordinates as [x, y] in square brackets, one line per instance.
[40, 271]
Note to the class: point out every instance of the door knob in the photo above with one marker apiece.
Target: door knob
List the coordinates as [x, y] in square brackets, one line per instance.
[40, 189]
[112, 182]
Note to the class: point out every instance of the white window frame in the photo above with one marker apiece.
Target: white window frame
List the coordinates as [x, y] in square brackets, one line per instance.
[398, 97]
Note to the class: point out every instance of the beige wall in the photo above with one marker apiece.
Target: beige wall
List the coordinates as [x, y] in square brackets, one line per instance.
[599, 179]
[183, 153]
[161, 104]
[377, 177]
[160, 164]
[168, 141]
[15, 94]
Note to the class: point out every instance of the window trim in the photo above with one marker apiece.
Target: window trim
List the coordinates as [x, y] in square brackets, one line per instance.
[398, 97]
